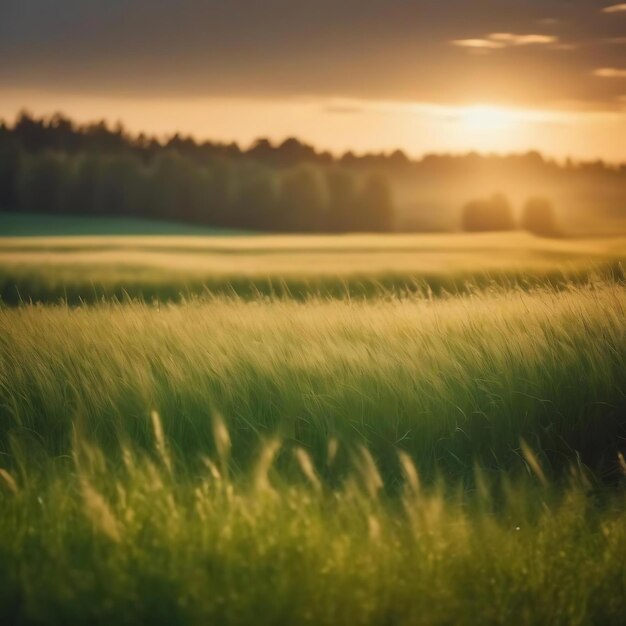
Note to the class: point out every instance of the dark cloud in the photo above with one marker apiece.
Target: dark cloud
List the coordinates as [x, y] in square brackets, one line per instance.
[350, 48]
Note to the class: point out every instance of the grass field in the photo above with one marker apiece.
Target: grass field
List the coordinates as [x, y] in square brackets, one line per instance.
[14, 224]
[84, 269]
[253, 453]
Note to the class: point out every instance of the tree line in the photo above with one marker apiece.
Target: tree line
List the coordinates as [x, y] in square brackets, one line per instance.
[51, 166]
[222, 193]
[495, 213]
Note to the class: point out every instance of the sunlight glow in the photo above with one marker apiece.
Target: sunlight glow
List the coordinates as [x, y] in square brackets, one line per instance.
[486, 118]
[360, 125]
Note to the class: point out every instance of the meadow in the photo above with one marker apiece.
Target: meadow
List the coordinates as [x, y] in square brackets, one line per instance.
[88, 268]
[183, 441]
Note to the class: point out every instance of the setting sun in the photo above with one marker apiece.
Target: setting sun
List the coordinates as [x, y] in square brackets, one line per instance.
[485, 118]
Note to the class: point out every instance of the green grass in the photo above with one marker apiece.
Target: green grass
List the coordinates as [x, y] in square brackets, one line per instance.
[88, 269]
[267, 452]
[13, 224]
[88, 542]
[450, 380]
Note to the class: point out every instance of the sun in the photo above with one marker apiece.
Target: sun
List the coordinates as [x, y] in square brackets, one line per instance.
[485, 118]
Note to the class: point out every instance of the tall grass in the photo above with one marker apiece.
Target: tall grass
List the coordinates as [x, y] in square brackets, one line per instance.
[85, 540]
[88, 540]
[451, 381]
[88, 269]
[80, 283]
[415, 460]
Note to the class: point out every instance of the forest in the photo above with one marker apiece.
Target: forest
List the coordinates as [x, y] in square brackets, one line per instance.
[53, 165]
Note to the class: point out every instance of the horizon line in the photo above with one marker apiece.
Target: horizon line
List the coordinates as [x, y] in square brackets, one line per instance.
[337, 154]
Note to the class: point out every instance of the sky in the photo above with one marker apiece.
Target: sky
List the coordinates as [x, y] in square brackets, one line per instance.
[366, 75]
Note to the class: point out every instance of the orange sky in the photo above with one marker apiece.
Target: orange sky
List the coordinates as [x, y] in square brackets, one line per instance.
[421, 75]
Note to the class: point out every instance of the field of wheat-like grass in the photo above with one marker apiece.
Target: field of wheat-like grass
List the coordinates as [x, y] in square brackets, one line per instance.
[218, 441]
[87, 269]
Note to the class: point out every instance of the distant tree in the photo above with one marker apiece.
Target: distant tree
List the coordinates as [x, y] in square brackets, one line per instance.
[375, 205]
[61, 134]
[98, 137]
[256, 204]
[303, 204]
[262, 150]
[398, 159]
[121, 187]
[223, 174]
[10, 161]
[42, 186]
[202, 210]
[83, 188]
[489, 214]
[342, 200]
[178, 188]
[292, 152]
[538, 217]
[102, 168]
[30, 132]
[349, 159]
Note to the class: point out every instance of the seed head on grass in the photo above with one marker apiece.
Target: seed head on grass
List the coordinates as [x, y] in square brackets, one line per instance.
[307, 468]
[331, 453]
[368, 472]
[261, 480]
[159, 439]
[222, 442]
[533, 462]
[411, 477]
[9, 481]
[99, 512]
[622, 463]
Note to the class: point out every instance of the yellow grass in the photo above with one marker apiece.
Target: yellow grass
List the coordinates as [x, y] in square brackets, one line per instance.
[314, 255]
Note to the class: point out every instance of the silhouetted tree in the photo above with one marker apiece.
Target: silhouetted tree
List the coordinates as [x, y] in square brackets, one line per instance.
[492, 213]
[10, 160]
[43, 183]
[342, 199]
[538, 217]
[261, 150]
[303, 204]
[256, 204]
[222, 192]
[102, 168]
[375, 205]
[178, 189]
[398, 159]
[292, 152]
[82, 195]
[100, 138]
[121, 186]
[30, 132]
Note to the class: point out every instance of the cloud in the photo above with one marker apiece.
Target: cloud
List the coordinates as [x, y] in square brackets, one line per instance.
[610, 72]
[615, 8]
[522, 40]
[349, 49]
[496, 41]
[477, 43]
